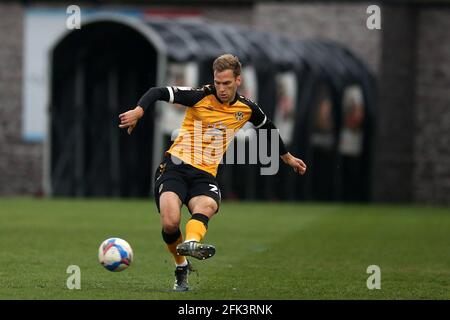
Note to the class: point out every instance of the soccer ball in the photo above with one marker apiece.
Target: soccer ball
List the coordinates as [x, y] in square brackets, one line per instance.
[115, 254]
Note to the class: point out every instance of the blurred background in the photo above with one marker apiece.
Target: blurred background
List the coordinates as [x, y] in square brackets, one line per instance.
[367, 107]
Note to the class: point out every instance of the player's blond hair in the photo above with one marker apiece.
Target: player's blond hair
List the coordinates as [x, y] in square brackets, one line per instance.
[227, 62]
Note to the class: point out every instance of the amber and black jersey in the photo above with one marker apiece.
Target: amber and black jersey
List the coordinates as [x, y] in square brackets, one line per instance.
[209, 125]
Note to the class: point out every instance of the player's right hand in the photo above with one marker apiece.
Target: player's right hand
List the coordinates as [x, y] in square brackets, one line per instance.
[130, 118]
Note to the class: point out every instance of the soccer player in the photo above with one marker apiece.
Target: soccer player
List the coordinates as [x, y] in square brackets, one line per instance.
[187, 173]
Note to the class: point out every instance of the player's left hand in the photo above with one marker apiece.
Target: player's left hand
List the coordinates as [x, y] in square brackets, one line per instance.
[296, 164]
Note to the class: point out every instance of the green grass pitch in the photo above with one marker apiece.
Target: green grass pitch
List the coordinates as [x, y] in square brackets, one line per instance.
[272, 251]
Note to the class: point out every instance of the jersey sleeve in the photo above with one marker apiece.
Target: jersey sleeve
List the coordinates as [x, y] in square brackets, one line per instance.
[182, 95]
[259, 119]
[186, 96]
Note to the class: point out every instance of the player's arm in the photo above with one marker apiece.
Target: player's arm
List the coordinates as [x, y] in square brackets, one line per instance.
[261, 121]
[180, 95]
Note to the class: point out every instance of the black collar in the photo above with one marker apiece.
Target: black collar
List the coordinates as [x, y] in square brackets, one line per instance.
[236, 97]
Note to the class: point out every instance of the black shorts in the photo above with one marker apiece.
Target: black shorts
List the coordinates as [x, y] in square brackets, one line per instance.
[185, 180]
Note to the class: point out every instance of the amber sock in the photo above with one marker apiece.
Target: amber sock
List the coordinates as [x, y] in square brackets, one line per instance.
[196, 227]
[172, 240]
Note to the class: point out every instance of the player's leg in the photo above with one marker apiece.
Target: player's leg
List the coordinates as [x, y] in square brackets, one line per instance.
[203, 203]
[170, 214]
[170, 211]
[203, 208]
[170, 194]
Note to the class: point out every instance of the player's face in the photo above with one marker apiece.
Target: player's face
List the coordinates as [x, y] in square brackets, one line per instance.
[226, 85]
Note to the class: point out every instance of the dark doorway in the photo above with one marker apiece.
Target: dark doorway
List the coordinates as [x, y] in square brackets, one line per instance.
[99, 72]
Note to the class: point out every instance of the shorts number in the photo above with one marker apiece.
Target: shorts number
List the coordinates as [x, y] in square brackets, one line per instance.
[214, 188]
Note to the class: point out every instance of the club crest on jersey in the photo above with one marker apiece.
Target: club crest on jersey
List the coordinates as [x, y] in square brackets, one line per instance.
[239, 115]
